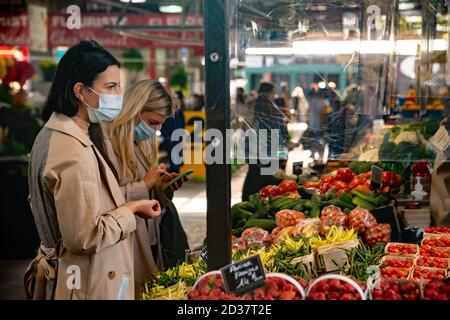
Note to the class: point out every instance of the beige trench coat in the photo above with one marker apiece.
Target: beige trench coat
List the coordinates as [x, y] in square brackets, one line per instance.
[147, 231]
[97, 231]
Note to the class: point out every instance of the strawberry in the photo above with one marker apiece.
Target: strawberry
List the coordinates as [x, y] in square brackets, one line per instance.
[287, 295]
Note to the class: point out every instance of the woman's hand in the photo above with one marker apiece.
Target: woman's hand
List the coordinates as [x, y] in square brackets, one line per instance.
[175, 186]
[145, 209]
[153, 175]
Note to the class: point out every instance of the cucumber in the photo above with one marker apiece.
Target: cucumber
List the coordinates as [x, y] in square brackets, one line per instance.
[246, 205]
[265, 224]
[240, 214]
[342, 204]
[364, 197]
[291, 205]
[347, 210]
[315, 212]
[305, 193]
[363, 204]
[331, 194]
[346, 197]
[309, 205]
[316, 197]
[299, 207]
[280, 203]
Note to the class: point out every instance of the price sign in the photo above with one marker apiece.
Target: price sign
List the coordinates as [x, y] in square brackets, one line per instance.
[244, 276]
[297, 168]
[377, 176]
[204, 255]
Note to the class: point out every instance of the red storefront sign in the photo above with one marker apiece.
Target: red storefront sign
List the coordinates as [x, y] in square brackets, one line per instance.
[14, 30]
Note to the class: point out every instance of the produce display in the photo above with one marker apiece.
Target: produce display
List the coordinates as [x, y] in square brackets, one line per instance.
[429, 273]
[395, 273]
[402, 248]
[438, 230]
[328, 225]
[212, 287]
[425, 261]
[430, 251]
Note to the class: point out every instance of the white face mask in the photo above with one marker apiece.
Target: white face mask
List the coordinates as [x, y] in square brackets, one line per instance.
[109, 107]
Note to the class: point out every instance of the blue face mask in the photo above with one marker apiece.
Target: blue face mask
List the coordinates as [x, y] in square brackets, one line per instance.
[109, 107]
[143, 132]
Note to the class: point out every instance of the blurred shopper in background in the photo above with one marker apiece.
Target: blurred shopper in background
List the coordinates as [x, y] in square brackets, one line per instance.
[300, 105]
[267, 115]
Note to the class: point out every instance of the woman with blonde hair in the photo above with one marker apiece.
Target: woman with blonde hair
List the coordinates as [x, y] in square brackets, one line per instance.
[131, 145]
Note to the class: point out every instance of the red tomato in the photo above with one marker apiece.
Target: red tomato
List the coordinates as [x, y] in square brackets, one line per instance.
[264, 192]
[287, 186]
[345, 175]
[270, 190]
[327, 179]
[311, 184]
[340, 185]
[354, 183]
[388, 179]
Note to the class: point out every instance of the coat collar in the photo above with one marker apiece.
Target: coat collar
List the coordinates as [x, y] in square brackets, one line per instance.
[65, 124]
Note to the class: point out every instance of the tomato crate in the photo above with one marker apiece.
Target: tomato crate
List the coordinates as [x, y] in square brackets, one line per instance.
[437, 241]
[402, 258]
[440, 274]
[397, 248]
[330, 258]
[396, 273]
[423, 261]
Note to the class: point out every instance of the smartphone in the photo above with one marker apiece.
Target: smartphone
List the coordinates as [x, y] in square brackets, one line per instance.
[180, 176]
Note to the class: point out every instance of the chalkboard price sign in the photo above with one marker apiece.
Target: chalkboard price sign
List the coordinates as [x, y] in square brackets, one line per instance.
[297, 168]
[244, 276]
[376, 178]
[204, 255]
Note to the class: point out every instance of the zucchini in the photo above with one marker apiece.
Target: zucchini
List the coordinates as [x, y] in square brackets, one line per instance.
[364, 197]
[299, 207]
[246, 205]
[305, 193]
[315, 212]
[363, 204]
[265, 224]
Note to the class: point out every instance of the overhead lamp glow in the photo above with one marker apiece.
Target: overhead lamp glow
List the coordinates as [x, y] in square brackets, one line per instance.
[171, 9]
[133, 1]
[330, 47]
[406, 6]
[322, 85]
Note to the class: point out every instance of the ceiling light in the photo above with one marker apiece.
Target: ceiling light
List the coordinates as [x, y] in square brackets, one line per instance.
[406, 6]
[133, 1]
[171, 9]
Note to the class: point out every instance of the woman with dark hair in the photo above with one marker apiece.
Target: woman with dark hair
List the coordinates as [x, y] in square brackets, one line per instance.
[85, 226]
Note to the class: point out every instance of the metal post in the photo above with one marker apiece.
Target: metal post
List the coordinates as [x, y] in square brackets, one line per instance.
[218, 176]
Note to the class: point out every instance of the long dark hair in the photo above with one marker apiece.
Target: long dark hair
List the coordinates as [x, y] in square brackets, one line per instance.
[81, 63]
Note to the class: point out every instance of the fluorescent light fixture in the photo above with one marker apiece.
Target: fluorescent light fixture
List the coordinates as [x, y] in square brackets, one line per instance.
[330, 47]
[298, 126]
[133, 1]
[406, 6]
[413, 19]
[269, 51]
[171, 9]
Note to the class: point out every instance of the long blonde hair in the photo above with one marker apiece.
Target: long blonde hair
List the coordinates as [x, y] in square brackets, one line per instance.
[145, 95]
